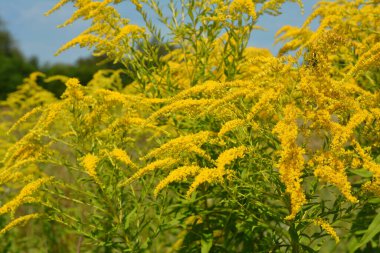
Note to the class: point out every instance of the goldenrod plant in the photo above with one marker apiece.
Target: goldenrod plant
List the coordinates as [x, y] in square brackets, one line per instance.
[214, 146]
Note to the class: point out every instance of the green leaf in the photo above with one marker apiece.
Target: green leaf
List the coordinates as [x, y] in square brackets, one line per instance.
[372, 231]
[206, 243]
[362, 172]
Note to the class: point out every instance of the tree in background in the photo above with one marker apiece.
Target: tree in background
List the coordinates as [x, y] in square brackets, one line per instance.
[13, 65]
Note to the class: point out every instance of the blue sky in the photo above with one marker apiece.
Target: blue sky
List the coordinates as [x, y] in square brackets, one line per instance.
[37, 35]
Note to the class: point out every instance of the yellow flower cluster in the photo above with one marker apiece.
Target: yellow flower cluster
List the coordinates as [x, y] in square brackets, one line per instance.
[188, 106]
[127, 30]
[24, 118]
[179, 174]
[371, 166]
[291, 164]
[74, 89]
[327, 227]
[109, 33]
[229, 155]
[25, 193]
[187, 143]
[244, 6]
[265, 99]
[332, 170]
[213, 175]
[89, 163]
[19, 222]
[342, 134]
[203, 175]
[122, 156]
[159, 164]
[230, 125]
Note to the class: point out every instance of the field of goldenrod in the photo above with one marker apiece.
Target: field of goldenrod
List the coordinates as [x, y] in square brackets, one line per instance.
[213, 147]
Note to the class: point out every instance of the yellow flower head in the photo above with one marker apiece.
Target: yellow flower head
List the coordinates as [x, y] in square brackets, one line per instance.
[327, 227]
[89, 163]
[122, 156]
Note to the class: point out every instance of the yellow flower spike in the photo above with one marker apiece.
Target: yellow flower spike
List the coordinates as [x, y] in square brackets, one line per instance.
[122, 156]
[24, 118]
[366, 60]
[213, 175]
[127, 30]
[89, 163]
[341, 135]
[60, 78]
[291, 164]
[231, 125]
[230, 155]
[373, 187]
[50, 115]
[83, 40]
[207, 88]
[137, 4]
[210, 175]
[264, 101]
[57, 6]
[190, 106]
[183, 143]
[159, 164]
[28, 190]
[19, 221]
[332, 170]
[244, 6]
[327, 227]
[368, 162]
[176, 175]
[73, 90]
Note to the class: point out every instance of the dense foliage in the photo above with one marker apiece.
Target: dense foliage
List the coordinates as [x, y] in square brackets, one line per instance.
[214, 146]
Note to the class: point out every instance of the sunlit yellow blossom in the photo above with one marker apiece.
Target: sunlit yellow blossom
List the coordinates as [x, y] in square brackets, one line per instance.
[137, 3]
[74, 89]
[57, 6]
[8, 175]
[89, 163]
[327, 227]
[207, 88]
[368, 162]
[342, 136]
[230, 125]
[28, 190]
[50, 115]
[265, 99]
[214, 175]
[8, 172]
[291, 164]
[230, 155]
[189, 106]
[244, 6]
[367, 60]
[181, 144]
[24, 118]
[176, 175]
[159, 164]
[128, 29]
[122, 156]
[373, 187]
[332, 170]
[225, 101]
[83, 40]
[19, 221]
